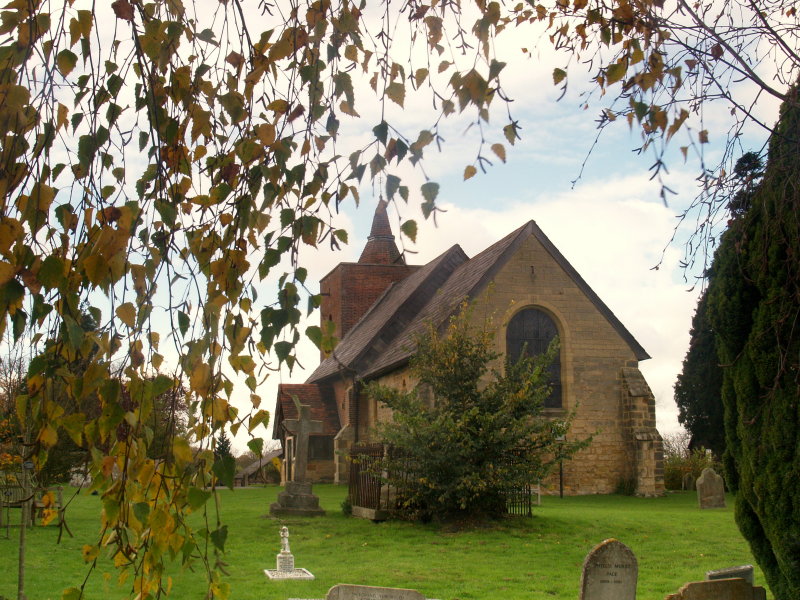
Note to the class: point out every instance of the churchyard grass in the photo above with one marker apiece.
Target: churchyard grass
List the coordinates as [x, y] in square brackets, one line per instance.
[514, 558]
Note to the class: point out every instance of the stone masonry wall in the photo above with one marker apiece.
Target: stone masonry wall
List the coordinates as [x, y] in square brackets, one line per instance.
[592, 356]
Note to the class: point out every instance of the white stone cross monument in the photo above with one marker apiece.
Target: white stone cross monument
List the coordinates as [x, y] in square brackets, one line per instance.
[285, 562]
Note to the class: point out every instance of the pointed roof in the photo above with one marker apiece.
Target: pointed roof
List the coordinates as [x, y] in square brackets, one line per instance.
[321, 404]
[395, 310]
[381, 248]
[384, 337]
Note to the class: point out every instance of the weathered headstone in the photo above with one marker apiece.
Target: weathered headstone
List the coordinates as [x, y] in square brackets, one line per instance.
[744, 572]
[688, 482]
[710, 489]
[297, 499]
[285, 562]
[345, 591]
[719, 589]
[610, 572]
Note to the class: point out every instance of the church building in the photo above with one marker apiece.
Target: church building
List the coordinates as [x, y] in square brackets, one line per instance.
[380, 303]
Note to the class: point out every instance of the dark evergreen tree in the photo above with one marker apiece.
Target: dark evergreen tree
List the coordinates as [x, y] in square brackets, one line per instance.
[699, 386]
[222, 450]
[461, 443]
[754, 309]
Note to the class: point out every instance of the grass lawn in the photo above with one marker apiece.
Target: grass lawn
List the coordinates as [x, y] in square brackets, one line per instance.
[515, 558]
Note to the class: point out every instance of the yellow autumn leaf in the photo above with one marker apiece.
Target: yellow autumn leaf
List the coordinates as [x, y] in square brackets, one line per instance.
[500, 151]
[90, 552]
[127, 314]
[200, 379]
[615, 72]
[558, 76]
[6, 272]
[66, 61]
[181, 450]
[469, 172]
[48, 436]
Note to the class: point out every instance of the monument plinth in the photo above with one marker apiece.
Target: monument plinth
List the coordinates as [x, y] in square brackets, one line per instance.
[297, 499]
[285, 562]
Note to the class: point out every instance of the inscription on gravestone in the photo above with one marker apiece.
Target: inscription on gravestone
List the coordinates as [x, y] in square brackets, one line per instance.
[345, 591]
[610, 572]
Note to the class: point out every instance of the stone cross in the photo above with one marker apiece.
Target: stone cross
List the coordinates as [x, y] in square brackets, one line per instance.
[285, 539]
[301, 427]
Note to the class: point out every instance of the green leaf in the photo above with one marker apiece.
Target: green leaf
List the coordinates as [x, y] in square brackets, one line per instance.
[558, 76]
[396, 92]
[261, 416]
[197, 497]
[381, 131]
[256, 446]
[314, 333]
[18, 320]
[162, 384]
[219, 536]
[66, 61]
[392, 185]
[225, 469]
[429, 191]
[183, 322]
[409, 229]
[494, 68]
[74, 332]
[615, 72]
[72, 593]
[141, 510]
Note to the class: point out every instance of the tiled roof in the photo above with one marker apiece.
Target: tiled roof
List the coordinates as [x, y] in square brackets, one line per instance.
[389, 316]
[384, 337]
[319, 398]
[381, 248]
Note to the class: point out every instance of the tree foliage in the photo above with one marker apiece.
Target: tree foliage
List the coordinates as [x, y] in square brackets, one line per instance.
[160, 160]
[698, 389]
[468, 434]
[754, 307]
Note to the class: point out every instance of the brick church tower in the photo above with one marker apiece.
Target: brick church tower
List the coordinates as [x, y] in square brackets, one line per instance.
[351, 288]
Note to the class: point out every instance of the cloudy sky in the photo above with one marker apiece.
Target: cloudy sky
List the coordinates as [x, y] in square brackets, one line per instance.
[603, 212]
[611, 224]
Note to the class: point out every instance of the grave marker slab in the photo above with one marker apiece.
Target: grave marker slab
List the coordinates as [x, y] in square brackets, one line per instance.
[610, 572]
[710, 489]
[344, 591]
[743, 571]
[719, 589]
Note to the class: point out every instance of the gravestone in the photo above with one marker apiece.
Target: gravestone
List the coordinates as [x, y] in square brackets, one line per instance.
[297, 499]
[610, 572]
[744, 572]
[285, 562]
[688, 482]
[719, 589]
[710, 489]
[345, 591]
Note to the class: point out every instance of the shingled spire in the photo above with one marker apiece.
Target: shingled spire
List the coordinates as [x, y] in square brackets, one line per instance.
[381, 248]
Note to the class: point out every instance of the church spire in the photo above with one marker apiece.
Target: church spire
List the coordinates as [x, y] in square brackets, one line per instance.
[381, 248]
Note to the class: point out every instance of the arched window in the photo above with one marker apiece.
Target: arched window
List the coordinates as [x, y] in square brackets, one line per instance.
[533, 330]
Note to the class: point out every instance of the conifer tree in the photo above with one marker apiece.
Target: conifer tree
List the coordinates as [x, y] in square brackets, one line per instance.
[754, 309]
